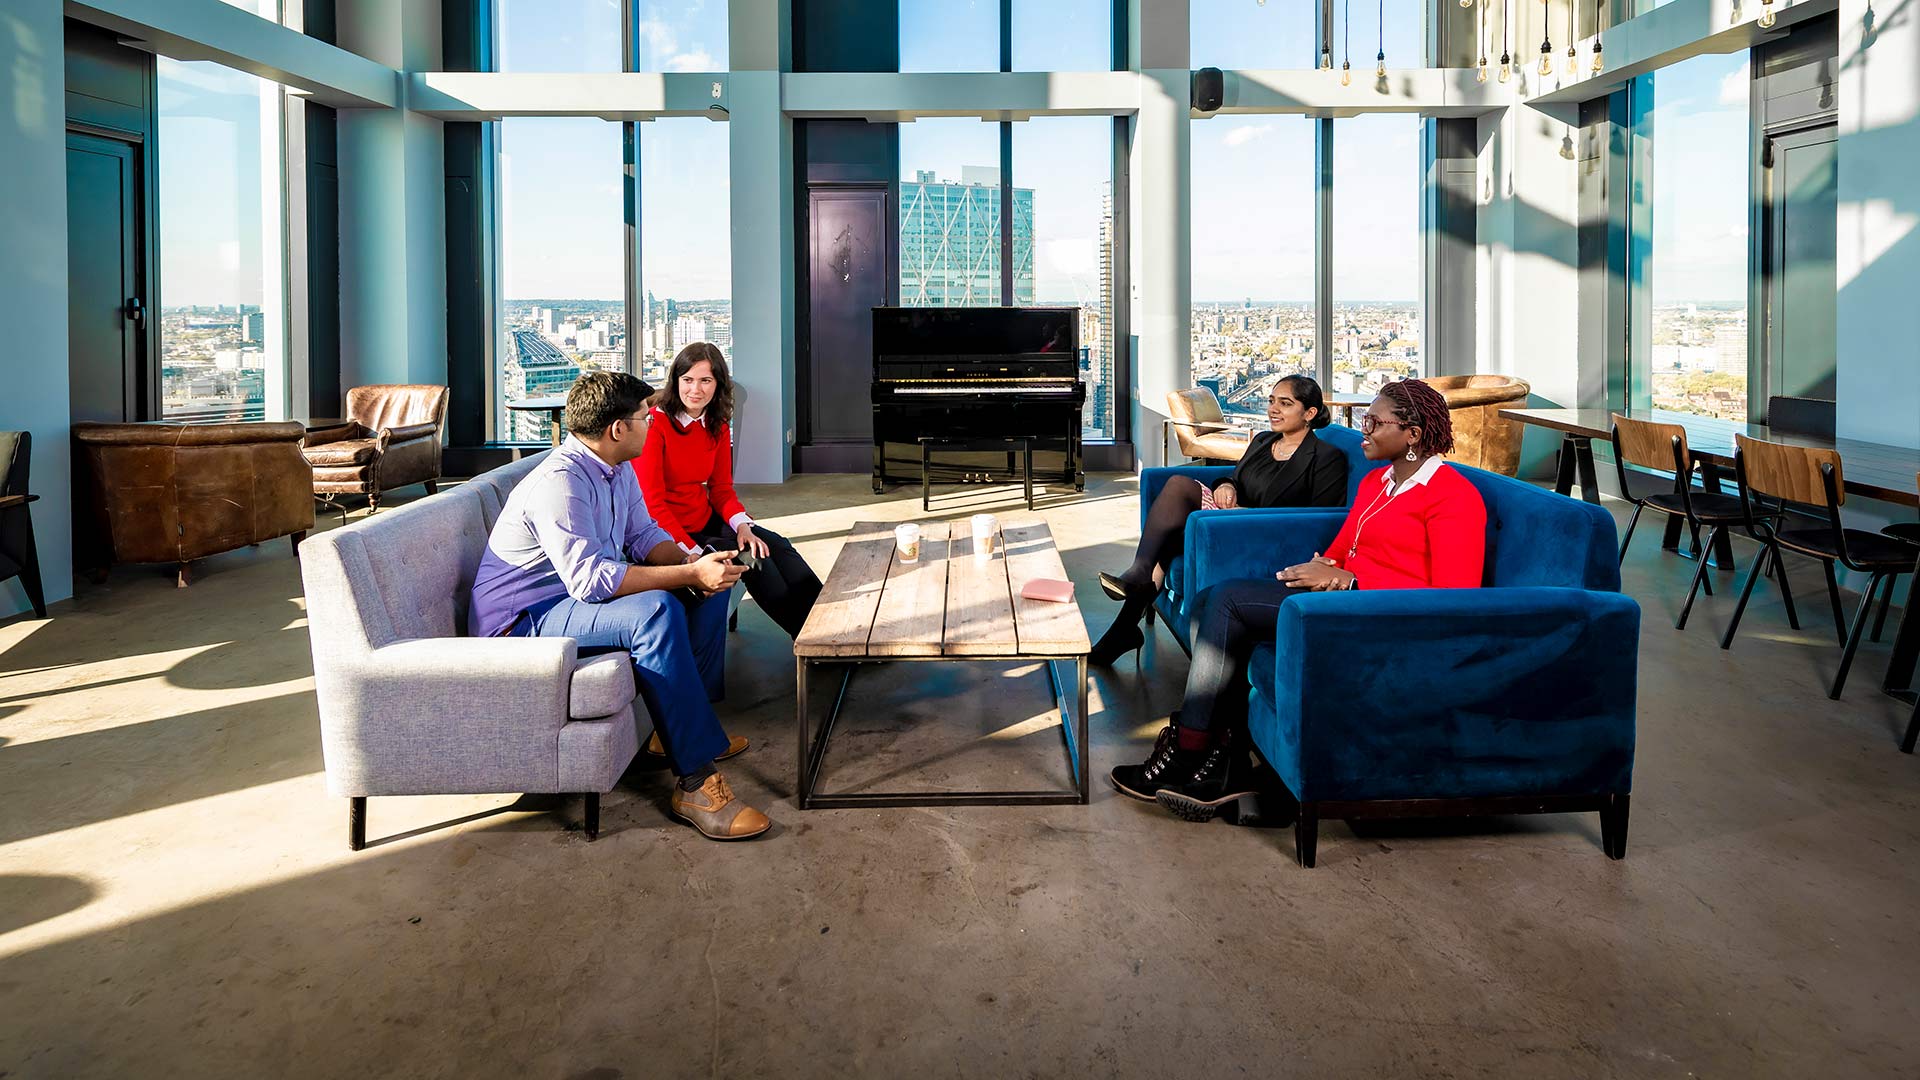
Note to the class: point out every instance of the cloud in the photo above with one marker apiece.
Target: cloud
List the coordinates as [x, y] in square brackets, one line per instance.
[1734, 88]
[656, 35]
[1245, 134]
[697, 60]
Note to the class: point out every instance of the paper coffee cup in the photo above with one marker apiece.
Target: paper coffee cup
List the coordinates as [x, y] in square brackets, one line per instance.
[986, 528]
[906, 538]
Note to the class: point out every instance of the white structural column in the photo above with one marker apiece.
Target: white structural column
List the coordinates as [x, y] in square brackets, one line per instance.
[1529, 289]
[393, 250]
[1878, 247]
[760, 142]
[1160, 197]
[33, 276]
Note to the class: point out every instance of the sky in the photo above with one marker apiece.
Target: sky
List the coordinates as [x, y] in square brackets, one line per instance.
[1252, 176]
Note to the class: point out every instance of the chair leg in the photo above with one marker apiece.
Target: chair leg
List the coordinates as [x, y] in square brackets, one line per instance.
[1149, 616]
[433, 487]
[373, 503]
[1833, 595]
[1631, 522]
[1786, 590]
[356, 822]
[296, 538]
[1913, 731]
[1886, 601]
[593, 815]
[733, 622]
[1613, 826]
[1755, 571]
[1699, 577]
[1853, 636]
[182, 576]
[1306, 833]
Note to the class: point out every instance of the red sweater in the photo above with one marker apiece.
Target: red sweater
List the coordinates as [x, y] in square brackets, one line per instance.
[1430, 536]
[686, 475]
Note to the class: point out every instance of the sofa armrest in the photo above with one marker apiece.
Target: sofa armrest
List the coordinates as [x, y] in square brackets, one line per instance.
[340, 432]
[1153, 481]
[1226, 545]
[1423, 693]
[409, 432]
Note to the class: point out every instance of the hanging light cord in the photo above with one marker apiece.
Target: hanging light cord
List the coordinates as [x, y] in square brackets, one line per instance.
[1382, 55]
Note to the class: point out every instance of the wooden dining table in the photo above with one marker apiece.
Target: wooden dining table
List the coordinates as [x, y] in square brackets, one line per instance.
[1868, 470]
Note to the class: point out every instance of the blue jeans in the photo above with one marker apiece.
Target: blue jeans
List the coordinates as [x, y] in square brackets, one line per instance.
[679, 650]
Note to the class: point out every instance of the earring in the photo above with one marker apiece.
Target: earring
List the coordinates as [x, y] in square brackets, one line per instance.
[1411, 456]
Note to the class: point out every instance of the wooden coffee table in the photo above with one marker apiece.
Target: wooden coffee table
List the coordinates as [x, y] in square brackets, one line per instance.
[947, 606]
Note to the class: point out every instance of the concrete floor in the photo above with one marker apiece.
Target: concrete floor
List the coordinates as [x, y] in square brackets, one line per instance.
[176, 897]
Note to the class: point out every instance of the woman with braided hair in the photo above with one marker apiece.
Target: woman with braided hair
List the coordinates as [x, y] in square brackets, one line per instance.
[1416, 524]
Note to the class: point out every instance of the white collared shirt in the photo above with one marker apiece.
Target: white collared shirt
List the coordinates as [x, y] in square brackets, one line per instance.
[1421, 476]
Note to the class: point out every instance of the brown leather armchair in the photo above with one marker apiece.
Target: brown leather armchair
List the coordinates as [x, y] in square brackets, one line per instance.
[171, 493]
[391, 438]
[1482, 437]
[1195, 421]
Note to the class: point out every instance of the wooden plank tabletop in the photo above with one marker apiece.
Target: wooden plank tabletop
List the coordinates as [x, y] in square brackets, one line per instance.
[947, 603]
[1044, 627]
[1872, 470]
[911, 618]
[842, 618]
[979, 607]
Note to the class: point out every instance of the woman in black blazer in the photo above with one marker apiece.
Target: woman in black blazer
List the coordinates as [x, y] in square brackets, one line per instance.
[1286, 466]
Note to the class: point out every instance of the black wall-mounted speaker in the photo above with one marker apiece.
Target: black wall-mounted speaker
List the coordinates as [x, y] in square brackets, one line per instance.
[1209, 88]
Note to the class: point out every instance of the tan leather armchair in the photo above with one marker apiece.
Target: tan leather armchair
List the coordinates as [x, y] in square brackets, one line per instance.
[1195, 421]
[171, 493]
[1482, 437]
[391, 438]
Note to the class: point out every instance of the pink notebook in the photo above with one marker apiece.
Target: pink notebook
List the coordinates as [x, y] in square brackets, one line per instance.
[1052, 589]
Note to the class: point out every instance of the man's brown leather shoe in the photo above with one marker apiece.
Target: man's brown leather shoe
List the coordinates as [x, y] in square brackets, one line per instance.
[717, 812]
[735, 745]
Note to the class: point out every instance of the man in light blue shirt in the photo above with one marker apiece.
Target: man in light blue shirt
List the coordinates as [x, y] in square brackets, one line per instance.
[576, 555]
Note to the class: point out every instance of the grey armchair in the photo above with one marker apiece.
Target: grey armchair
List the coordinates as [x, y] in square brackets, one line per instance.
[408, 706]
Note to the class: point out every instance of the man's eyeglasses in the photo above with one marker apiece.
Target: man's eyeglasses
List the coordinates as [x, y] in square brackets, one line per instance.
[1368, 422]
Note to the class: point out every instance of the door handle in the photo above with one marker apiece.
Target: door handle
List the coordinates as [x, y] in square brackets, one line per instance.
[136, 311]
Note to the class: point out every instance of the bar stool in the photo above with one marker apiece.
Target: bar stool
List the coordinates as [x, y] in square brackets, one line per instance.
[1664, 446]
[1810, 478]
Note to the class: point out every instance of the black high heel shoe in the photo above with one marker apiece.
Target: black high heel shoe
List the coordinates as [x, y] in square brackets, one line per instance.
[1119, 640]
[1113, 586]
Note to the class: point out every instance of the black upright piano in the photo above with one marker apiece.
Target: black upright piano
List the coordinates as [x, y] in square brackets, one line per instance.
[977, 373]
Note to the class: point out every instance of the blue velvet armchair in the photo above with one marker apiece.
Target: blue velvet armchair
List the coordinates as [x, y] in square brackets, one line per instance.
[1518, 697]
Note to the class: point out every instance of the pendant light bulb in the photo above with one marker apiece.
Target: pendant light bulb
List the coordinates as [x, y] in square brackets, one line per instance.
[1546, 59]
[1380, 66]
[1326, 59]
[1573, 61]
[1480, 71]
[1466, 3]
[1766, 14]
[1599, 65]
[1506, 66]
[1346, 73]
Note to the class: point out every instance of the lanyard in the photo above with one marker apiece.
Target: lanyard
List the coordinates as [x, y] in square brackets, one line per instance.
[1368, 514]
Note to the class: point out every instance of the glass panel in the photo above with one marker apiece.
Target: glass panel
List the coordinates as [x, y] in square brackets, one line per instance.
[1062, 35]
[1253, 312]
[686, 258]
[1376, 252]
[556, 35]
[1693, 273]
[949, 35]
[1063, 241]
[680, 35]
[266, 9]
[563, 282]
[1237, 34]
[1397, 27]
[950, 215]
[222, 297]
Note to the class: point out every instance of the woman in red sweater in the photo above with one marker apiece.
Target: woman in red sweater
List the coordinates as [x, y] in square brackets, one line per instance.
[686, 477]
[1416, 524]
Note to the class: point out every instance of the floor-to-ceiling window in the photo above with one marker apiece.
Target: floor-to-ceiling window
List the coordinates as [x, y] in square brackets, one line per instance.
[1252, 319]
[950, 35]
[222, 279]
[950, 214]
[1064, 241]
[1376, 248]
[686, 253]
[1691, 222]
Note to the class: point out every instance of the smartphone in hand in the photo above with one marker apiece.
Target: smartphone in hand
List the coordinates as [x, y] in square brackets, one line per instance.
[743, 557]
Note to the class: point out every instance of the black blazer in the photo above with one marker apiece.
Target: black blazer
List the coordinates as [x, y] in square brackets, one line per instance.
[1316, 474]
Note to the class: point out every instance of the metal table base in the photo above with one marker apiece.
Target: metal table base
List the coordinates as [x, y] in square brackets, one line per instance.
[813, 745]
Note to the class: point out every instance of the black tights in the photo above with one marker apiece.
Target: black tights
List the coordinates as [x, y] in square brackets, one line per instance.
[1162, 538]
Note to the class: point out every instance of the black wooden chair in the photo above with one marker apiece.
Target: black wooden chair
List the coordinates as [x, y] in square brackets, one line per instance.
[1647, 445]
[1907, 532]
[1800, 416]
[1773, 476]
[18, 556]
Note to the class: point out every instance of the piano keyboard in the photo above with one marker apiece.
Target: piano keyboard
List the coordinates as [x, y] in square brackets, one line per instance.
[952, 388]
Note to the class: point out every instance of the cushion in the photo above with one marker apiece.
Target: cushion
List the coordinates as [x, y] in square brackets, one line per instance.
[345, 452]
[602, 685]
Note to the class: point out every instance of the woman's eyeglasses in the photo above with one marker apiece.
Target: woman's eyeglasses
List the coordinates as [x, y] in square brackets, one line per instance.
[1368, 422]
